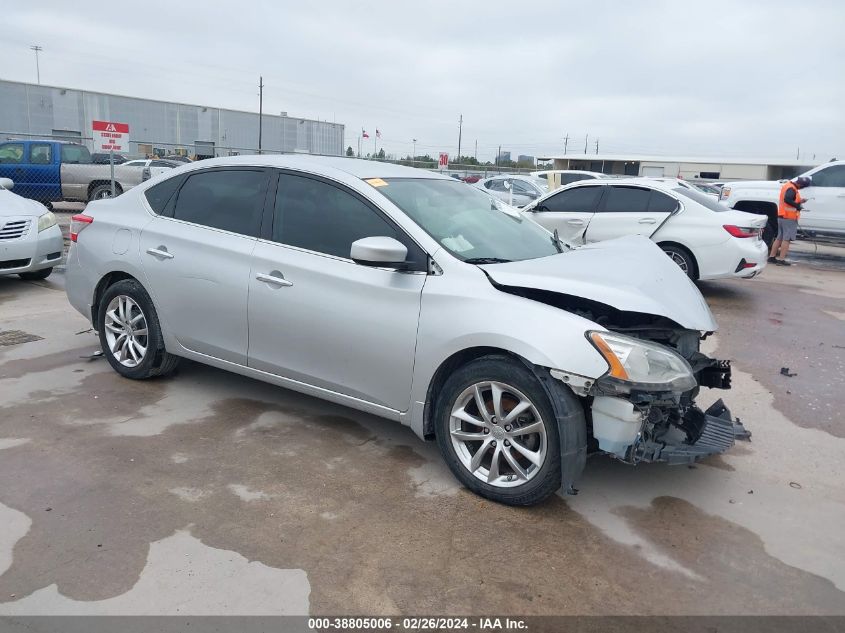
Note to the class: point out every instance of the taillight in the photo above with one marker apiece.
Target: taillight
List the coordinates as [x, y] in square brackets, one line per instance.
[741, 231]
[77, 223]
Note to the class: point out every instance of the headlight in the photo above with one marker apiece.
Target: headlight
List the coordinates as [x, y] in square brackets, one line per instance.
[642, 365]
[46, 221]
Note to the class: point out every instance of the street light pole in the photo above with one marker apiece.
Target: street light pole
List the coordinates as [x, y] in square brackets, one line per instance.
[37, 49]
[414, 155]
[260, 109]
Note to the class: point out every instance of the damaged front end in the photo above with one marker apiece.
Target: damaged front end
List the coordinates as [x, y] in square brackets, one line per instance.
[643, 409]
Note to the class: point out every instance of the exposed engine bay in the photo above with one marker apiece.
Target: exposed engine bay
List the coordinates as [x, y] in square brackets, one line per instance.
[647, 425]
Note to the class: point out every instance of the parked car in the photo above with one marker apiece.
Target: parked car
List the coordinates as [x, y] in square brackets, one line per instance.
[99, 158]
[53, 171]
[411, 296]
[516, 190]
[706, 239]
[178, 158]
[680, 182]
[562, 177]
[31, 241]
[152, 167]
[824, 213]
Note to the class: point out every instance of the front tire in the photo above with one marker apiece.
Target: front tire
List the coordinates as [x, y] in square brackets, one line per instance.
[36, 275]
[683, 258]
[130, 334]
[498, 433]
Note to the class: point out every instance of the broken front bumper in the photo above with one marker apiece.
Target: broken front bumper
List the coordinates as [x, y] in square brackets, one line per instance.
[716, 432]
[667, 427]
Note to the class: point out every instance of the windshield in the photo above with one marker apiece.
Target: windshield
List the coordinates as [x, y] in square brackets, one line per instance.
[469, 224]
[701, 198]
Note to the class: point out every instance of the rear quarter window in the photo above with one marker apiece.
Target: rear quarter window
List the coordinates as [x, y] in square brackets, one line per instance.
[161, 194]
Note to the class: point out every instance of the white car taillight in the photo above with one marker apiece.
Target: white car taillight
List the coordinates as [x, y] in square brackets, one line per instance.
[742, 231]
[77, 223]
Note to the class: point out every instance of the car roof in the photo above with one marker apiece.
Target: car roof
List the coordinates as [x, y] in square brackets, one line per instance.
[321, 165]
[651, 183]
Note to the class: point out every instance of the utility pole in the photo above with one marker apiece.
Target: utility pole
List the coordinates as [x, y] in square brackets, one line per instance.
[37, 49]
[586, 136]
[260, 108]
[597, 146]
[565, 143]
[798, 154]
[498, 154]
[476, 150]
[414, 156]
[460, 128]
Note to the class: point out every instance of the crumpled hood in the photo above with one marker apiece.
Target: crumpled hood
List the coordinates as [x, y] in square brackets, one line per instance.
[628, 273]
[12, 204]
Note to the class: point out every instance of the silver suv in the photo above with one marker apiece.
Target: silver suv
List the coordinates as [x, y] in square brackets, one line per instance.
[413, 297]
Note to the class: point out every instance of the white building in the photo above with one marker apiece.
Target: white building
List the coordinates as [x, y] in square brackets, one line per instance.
[688, 168]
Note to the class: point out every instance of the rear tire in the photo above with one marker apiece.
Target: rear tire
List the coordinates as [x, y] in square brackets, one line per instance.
[484, 448]
[130, 334]
[102, 192]
[36, 275]
[683, 258]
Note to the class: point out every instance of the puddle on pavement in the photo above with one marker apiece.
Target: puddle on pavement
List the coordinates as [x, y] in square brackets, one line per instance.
[379, 531]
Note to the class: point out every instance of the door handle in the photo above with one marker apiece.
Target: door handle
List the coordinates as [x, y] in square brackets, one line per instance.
[575, 222]
[276, 280]
[841, 195]
[648, 221]
[160, 252]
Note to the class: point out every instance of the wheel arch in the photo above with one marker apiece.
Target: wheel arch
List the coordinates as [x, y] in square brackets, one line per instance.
[106, 281]
[446, 368]
[569, 410]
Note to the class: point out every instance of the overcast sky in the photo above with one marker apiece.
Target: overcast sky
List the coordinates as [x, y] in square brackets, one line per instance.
[739, 78]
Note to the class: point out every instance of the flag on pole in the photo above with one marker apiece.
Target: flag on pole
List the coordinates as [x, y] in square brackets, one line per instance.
[378, 134]
[364, 133]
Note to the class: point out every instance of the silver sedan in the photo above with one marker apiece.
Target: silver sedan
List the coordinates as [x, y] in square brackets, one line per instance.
[411, 296]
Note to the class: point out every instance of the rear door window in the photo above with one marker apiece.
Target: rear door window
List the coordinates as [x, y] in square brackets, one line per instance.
[576, 200]
[40, 154]
[225, 199]
[625, 200]
[661, 203]
[833, 176]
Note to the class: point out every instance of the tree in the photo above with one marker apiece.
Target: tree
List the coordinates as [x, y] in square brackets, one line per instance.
[380, 154]
[349, 151]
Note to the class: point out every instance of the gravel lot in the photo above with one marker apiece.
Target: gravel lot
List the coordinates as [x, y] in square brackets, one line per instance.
[211, 493]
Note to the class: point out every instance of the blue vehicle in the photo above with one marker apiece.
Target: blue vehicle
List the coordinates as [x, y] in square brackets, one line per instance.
[55, 171]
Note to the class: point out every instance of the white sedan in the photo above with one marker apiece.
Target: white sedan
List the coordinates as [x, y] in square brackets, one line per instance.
[706, 239]
[31, 242]
[152, 167]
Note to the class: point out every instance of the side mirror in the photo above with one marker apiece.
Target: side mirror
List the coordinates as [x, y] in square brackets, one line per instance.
[6, 183]
[379, 251]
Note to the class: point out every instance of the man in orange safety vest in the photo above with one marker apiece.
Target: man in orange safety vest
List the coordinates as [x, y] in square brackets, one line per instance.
[789, 210]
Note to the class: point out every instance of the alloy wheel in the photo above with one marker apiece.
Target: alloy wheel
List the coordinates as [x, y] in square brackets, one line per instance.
[498, 434]
[126, 331]
[679, 260]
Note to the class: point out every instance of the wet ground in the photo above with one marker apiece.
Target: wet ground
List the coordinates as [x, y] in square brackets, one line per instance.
[211, 493]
